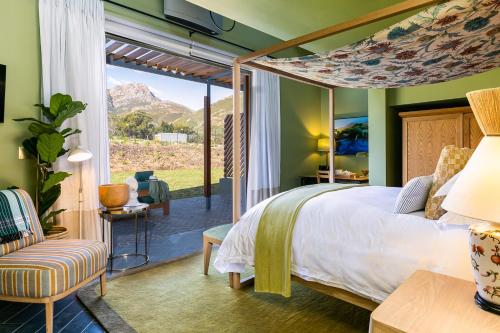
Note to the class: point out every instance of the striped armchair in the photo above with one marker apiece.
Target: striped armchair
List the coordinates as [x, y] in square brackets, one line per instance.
[34, 270]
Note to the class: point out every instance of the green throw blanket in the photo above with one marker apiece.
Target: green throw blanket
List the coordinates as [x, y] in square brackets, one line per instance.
[273, 245]
[158, 190]
[14, 223]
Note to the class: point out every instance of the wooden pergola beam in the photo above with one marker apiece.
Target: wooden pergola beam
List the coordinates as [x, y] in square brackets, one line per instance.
[374, 16]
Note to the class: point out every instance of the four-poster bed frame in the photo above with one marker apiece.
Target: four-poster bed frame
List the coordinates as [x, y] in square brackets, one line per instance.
[247, 60]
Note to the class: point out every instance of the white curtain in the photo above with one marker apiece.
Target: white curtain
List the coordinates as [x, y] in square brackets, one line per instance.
[264, 163]
[74, 62]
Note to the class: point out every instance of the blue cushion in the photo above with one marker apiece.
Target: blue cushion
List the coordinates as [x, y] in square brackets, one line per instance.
[143, 176]
[142, 186]
[218, 232]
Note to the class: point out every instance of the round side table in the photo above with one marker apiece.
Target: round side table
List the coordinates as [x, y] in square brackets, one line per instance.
[107, 215]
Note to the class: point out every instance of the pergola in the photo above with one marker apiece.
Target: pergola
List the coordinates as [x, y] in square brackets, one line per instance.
[137, 56]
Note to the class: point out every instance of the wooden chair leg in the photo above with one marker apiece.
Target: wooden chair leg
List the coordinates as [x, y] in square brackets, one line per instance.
[166, 207]
[207, 253]
[102, 278]
[236, 281]
[49, 316]
[231, 280]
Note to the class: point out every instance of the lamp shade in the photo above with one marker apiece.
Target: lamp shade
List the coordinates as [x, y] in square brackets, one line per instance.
[79, 154]
[324, 144]
[476, 193]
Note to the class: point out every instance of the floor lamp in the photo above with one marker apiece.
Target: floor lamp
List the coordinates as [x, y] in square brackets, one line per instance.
[79, 155]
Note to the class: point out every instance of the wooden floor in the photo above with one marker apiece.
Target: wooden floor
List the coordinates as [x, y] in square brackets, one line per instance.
[70, 316]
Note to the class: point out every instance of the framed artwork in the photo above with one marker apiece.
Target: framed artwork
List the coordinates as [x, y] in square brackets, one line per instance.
[351, 136]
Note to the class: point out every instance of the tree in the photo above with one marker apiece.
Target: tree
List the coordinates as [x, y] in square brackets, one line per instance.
[165, 127]
[136, 124]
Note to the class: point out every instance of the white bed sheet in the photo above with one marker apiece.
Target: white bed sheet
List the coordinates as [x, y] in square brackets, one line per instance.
[350, 239]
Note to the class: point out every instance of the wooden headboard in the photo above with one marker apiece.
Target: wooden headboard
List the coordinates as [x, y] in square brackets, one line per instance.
[426, 132]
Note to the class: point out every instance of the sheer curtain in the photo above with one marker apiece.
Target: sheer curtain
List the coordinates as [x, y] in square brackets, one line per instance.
[264, 163]
[74, 62]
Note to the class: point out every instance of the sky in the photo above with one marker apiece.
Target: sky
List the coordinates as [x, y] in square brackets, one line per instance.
[180, 91]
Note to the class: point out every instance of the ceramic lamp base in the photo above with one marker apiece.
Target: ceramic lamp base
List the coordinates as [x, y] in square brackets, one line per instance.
[487, 306]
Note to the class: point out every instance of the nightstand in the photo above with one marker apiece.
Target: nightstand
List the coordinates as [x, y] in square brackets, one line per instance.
[430, 302]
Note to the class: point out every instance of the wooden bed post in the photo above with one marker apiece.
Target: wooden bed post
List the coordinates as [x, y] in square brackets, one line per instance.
[331, 128]
[236, 142]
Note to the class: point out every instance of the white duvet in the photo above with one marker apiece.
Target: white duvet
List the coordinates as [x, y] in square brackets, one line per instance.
[350, 239]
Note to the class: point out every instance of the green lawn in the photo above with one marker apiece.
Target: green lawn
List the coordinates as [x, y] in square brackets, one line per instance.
[183, 183]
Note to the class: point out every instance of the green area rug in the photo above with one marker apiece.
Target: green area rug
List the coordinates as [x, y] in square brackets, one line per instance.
[177, 297]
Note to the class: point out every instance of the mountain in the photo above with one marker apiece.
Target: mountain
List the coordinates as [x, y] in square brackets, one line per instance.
[132, 97]
[127, 98]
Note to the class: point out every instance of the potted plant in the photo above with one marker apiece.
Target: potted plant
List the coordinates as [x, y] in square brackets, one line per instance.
[46, 145]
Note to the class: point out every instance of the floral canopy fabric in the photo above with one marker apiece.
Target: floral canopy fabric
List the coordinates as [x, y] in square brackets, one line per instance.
[445, 42]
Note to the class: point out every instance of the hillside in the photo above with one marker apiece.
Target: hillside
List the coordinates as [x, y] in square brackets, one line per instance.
[132, 97]
[219, 110]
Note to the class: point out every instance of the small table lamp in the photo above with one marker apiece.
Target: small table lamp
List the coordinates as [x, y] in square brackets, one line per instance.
[476, 194]
[324, 146]
[79, 155]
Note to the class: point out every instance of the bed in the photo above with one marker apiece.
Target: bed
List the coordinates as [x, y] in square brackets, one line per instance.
[350, 240]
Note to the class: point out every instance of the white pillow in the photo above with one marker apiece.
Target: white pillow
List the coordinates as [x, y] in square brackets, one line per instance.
[445, 189]
[452, 218]
[413, 195]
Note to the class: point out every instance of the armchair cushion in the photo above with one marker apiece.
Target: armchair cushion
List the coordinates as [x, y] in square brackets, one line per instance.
[50, 267]
[142, 176]
[24, 206]
[143, 186]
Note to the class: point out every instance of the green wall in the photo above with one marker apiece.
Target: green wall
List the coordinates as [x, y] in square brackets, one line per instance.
[300, 129]
[20, 52]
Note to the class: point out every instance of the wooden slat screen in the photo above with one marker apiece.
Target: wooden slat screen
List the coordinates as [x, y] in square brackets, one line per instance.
[228, 146]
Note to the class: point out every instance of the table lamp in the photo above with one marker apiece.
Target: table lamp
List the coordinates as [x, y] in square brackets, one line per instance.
[324, 146]
[79, 155]
[476, 194]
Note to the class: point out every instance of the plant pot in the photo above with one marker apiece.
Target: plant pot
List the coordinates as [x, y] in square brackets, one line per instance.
[57, 232]
[113, 196]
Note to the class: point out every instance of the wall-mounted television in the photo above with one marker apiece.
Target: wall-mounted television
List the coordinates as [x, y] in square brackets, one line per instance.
[3, 70]
[351, 136]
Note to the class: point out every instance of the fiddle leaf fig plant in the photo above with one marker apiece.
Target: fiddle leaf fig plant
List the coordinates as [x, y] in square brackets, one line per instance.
[46, 145]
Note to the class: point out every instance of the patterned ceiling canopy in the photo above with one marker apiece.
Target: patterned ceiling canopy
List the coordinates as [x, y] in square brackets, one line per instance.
[445, 42]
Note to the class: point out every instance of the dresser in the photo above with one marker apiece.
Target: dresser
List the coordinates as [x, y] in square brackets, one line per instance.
[426, 132]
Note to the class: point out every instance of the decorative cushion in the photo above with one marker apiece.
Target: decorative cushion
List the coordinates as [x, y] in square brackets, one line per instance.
[143, 176]
[24, 206]
[413, 195]
[141, 186]
[51, 267]
[451, 161]
[446, 188]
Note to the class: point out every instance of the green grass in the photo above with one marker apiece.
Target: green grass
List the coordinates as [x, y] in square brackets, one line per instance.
[183, 183]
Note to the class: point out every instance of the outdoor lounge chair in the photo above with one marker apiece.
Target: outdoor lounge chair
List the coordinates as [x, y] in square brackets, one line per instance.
[34, 270]
[143, 191]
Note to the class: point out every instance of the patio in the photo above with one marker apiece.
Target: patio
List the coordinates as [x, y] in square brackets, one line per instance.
[177, 234]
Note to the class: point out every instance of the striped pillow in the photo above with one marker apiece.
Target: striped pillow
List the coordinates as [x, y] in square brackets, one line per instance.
[413, 196]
